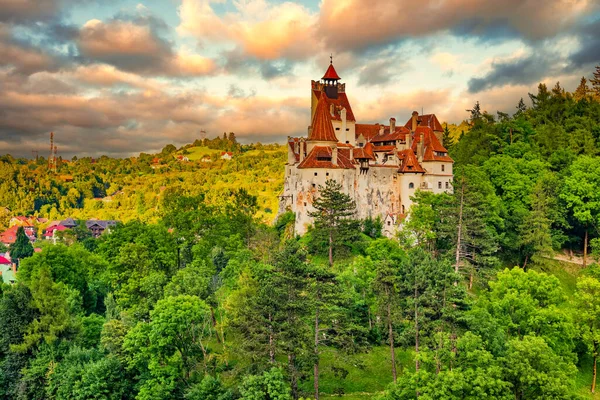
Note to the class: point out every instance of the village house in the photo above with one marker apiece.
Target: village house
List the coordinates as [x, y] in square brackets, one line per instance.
[97, 227]
[226, 155]
[9, 236]
[8, 270]
[379, 166]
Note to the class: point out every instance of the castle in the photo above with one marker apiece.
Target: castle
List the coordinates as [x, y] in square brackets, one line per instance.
[379, 166]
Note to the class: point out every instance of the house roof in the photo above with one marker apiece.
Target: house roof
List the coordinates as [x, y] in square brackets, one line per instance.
[429, 120]
[331, 73]
[369, 131]
[409, 162]
[398, 134]
[312, 159]
[339, 103]
[4, 261]
[432, 145]
[364, 152]
[322, 129]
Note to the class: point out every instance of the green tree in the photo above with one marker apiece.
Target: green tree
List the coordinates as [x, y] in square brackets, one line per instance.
[535, 233]
[172, 347]
[581, 194]
[333, 215]
[595, 81]
[582, 90]
[535, 371]
[270, 385]
[447, 140]
[388, 257]
[587, 301]
[22, 247]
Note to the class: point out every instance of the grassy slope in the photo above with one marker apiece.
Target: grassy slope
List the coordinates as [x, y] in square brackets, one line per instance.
[196, 153]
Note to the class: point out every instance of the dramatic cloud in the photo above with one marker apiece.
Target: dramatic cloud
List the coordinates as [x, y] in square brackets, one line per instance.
[523, 70]
[136, 47]
[258, 29]
[357, 24]
[589, 51]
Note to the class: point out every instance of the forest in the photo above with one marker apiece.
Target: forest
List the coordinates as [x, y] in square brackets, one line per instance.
[491, 292]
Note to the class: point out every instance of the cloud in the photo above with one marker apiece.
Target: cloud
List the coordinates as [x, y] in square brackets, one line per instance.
[258, 29]
[22, 57]
[353, 25]
[589, 50]
[380, 71]
[136, 46]
[17, 11]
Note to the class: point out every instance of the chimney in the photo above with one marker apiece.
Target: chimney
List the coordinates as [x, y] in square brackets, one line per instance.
[415, 116]
[381, 128]
[302, 150]
[331, 109]
[351, 153]
[344, 136]
[14, 267]
[421, 147]
[409, 140]
[334, 156]
[392, 125]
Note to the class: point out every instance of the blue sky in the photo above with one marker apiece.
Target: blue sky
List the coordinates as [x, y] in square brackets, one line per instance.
[123, 77]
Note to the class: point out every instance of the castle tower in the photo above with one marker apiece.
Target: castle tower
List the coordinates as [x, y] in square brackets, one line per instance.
[330, 89]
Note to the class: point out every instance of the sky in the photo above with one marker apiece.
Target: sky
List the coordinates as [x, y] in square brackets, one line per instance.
[123, 77]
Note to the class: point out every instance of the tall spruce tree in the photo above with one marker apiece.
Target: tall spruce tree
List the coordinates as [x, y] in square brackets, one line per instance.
[595, 81]
[582, 90]
[22, 247]
[447, 140]
[535, 234]
[333, 216]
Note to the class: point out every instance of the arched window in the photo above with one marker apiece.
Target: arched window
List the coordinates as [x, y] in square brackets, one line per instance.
[411, 185]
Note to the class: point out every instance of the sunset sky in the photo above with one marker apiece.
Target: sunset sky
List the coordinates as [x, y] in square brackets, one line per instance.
[121, 77]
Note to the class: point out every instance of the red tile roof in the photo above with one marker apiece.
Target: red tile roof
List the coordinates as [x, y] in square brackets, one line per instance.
[378, 149]
[399, 134]
[331, 73]
[369, 131]
[409, 162]
[322, 129]
[432, 145]
[312, 159]
[429, 120]
[4, 261]
[364, 152]
[339, 103]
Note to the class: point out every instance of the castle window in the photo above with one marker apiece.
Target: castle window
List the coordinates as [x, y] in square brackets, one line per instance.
[337, 129]
[447, 185]
[389, 223]
[326, 173]
[411, 185]
[402, 208]
[347, 129]
[439, 185]
[315, 174]
[443, 168]
[304, 204]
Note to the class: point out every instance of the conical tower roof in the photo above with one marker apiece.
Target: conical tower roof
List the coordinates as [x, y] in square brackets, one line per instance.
[322, 128]
[331, 74]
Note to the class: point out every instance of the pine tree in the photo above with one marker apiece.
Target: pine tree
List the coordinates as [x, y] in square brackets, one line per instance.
[582, 90]
[475, 113]
[535, 234]
[595, 81]
[333, 215]
[447, 140]
[521, 108]
[22, 247]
